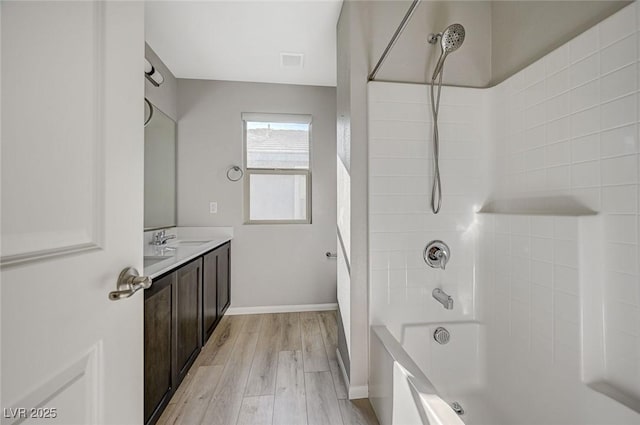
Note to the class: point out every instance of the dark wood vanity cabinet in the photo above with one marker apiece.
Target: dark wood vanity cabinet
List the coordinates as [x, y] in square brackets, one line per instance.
[209, 295]
[158, 347]
[215, 288]
[223, 298]
[188, 301]
[181, 311]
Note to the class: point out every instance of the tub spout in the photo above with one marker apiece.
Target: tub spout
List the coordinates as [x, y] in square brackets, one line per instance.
[443, 298]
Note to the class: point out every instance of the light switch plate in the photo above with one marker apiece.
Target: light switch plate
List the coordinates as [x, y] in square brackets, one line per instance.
[213, 207]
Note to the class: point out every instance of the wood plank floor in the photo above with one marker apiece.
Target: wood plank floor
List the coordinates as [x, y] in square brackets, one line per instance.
[268, 369]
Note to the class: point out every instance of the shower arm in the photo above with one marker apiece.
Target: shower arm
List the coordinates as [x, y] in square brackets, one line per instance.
[394, 38]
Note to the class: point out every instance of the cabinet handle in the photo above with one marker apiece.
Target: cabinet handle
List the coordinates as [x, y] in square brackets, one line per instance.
[129, 282]
[331, 255]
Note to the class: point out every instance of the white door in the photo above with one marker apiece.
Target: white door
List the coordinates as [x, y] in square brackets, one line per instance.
[72, 210]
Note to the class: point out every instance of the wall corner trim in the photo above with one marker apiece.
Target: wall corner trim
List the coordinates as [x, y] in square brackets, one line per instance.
[295, 308]
[354, 392]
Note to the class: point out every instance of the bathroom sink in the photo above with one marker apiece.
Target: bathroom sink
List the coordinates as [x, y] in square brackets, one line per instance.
[186, 243]
[148, 261]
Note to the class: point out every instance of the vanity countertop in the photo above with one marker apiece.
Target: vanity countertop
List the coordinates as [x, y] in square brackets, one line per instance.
[189, 243]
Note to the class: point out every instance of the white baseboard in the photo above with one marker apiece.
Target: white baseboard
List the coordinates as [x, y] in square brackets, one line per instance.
[231, 311]
[354, 392]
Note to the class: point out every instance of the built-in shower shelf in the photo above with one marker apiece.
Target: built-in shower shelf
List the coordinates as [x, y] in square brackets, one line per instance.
[553, 205]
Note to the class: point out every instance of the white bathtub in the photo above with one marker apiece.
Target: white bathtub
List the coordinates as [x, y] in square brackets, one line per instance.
[398, 390]
[413, 380]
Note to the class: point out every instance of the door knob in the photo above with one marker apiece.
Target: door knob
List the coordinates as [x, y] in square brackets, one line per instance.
[129, 282]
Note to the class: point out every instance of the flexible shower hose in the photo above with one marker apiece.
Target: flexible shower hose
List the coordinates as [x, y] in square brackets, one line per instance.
[436, 189]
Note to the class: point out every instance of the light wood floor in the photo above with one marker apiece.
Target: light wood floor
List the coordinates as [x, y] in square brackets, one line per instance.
[268, 369]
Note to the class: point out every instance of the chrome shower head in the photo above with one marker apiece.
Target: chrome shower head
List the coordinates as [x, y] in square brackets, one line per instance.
[450, 40]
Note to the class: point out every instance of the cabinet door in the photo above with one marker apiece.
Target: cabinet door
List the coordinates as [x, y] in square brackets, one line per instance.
[187, 307]
[224, 281]
[157, 347]
[209, 295]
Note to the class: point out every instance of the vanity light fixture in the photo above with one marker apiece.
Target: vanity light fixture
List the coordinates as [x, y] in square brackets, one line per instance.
[152, 74]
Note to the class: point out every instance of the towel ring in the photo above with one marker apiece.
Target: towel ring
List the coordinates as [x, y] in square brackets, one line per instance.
[235, 169]
[146, 121]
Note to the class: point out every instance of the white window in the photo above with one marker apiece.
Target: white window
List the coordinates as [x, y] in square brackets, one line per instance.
[277, 150]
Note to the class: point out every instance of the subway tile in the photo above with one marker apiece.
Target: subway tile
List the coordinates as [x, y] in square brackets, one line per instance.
[619, 54]
[535, 137]
[567, 333]
[620, 170]
[521, 246]
[624, 317]
[397, 148]
[520, 268]
[557, 83]
[558, 154]
[399, 130]
[620, 199]
[535, 115]
[557, 60]
[542, 249]
[542, 226]
[619, 83]
[542, 301]
[585, 122]
[565, 228]
[589, 197]
[618, 26]
[623, 287]
[621, 346]
[585, 96]
[399, 111]
[566, 307]
[619, 141]
[534, 73]
[565, 252]
[557, 107]
[583, 71]
[542, 273]
[621, 228]
[558, 130]
[584, 44]
[621, 257]
[585, 174]
[559, 177]
[520, 225]
[565, 279]
[620, 112]
[534, 159]
[585, 148]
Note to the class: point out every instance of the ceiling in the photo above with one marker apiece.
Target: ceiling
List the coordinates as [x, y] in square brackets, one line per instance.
[243, 40]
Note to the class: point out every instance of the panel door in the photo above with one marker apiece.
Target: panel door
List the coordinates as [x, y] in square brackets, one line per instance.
[224, 281]
[209, 294]
[72, 207]
[188, 320]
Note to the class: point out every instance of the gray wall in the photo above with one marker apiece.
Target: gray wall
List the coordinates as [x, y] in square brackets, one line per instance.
[165, 96]
[353, 67]
[524, 31]
[503, 37]
[412, 58]
[271, 264]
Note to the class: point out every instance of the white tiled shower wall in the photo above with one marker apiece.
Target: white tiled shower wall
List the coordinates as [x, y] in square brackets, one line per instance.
[567, 126]
[400, 221]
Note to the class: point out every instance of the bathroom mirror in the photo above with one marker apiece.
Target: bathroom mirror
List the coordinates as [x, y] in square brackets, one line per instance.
[159, 170]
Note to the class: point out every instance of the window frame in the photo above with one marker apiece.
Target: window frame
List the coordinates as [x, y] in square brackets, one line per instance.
[248, 172]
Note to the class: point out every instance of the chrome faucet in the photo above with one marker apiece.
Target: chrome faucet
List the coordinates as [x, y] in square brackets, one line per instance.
[436, 254]
[160, 238]
[443, 298]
